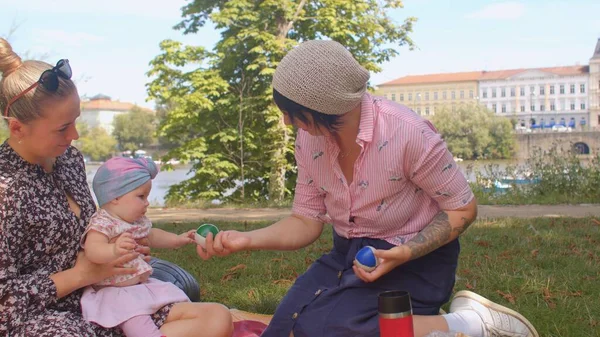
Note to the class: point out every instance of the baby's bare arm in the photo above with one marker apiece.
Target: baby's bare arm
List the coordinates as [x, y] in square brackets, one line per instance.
[98, 249]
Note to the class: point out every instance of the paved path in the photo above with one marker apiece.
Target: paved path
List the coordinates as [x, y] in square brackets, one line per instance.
[272, 214]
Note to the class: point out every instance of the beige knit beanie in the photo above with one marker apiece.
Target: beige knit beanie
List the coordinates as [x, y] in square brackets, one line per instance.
[322, 76]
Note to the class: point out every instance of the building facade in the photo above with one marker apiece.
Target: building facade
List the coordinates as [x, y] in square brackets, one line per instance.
[427, 93]
[100, 111]
[594, 92]
[539, 97]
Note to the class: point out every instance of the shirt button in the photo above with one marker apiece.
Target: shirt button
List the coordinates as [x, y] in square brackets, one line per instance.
[340, 274]
[295, 315]
[318, 292]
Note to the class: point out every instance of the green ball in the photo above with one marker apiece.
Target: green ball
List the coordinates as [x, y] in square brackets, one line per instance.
[202, 233]
[204, 229]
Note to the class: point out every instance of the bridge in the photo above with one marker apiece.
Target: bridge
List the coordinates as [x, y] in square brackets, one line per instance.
[584, 142]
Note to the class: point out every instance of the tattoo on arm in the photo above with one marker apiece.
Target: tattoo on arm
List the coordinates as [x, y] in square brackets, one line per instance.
[461, 229]
[435, 235]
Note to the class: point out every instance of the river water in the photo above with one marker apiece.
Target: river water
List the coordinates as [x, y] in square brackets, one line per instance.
[165, 179]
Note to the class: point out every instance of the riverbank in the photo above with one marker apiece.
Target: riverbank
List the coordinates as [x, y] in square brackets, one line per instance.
[177, 215]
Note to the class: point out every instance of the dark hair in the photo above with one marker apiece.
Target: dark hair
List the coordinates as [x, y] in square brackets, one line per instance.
[294, 110]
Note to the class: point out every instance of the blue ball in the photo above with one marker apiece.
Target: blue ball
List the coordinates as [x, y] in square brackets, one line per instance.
[366, 258]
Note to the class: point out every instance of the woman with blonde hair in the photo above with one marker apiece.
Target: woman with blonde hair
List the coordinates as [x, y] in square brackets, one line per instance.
[45, 206]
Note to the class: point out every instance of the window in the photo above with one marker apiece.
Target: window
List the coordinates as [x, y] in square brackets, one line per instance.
[462, 94]
[444, 95]
[435, 96]
[572, 90]
[418, 96]
[427, 96]
[427, 111]
[542, 107]
[522, 108]
[503, 107]
[470, 93]
[401, 97]
[522, 91]
[493, 92]
[484, 94]
[453, 94]
[582, 88]
[562, 89]
[385, 96]
[542, 90]
[410, 97]
[419, 111]
[494, 108]
[503, 92]
[532, 89]
[582, 106]
[512, 92]
[532, 107]
[572, 106]
[551, 90]
[394, 97]
[552, 107]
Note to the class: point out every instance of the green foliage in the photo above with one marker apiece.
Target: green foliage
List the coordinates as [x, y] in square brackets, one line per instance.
[220, 113]
[4, 133]
[556, 176]
[95, 143]
[474, 132]
[134, 129]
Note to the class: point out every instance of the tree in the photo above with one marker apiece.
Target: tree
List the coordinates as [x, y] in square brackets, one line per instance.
[134, 129]
[4, 133]
[95, 142]
[223, 97]
[472, 131]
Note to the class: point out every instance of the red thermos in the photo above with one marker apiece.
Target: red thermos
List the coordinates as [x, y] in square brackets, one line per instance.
[395, 314]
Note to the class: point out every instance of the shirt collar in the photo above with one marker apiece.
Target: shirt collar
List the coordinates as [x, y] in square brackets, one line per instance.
[367, 117]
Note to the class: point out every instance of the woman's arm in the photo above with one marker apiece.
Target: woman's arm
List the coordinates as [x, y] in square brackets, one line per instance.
[290, 233]
[445, 227]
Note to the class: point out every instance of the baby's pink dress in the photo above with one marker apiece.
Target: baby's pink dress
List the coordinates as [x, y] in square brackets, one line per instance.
[110, 306]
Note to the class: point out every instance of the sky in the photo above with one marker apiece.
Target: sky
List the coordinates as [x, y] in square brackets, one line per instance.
[110, 43]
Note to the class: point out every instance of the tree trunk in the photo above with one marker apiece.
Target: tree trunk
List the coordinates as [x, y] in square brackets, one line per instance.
[279, 162]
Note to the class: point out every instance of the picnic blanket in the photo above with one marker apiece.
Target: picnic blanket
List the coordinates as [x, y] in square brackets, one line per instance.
[248, 324]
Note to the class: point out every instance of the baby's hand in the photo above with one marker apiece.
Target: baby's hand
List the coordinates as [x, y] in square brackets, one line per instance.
[124, 244]
[185, 238]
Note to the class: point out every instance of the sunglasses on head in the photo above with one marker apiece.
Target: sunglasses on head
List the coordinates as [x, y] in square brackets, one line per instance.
[48, 80]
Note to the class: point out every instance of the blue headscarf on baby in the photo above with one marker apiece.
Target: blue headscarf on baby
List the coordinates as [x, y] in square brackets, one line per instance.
[119, 176]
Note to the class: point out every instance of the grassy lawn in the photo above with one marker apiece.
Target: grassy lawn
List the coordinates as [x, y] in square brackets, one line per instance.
[546, 269]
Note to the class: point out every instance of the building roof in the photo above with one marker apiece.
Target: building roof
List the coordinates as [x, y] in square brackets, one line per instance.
[561, 71]
[435, 78]
[101, 103]
[596, 51]
[483, 75]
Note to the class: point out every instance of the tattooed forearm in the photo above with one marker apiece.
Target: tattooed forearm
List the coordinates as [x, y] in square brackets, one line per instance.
[435, 235]
[466, 222]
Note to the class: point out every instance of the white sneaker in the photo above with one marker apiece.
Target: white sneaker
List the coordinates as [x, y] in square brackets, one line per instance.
[498, 321]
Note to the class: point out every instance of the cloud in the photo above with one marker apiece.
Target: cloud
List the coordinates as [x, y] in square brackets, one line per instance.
[65, 39]
[499, 11]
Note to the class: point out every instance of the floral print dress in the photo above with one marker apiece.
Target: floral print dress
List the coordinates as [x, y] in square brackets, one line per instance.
[39, 236]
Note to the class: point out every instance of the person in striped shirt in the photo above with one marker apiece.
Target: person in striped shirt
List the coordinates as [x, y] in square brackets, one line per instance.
[383, 177]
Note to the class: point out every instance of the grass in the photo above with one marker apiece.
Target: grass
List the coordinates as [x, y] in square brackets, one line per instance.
[546, 269]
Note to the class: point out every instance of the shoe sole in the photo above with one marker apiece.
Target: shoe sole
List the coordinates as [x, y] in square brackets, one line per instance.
[499, 308]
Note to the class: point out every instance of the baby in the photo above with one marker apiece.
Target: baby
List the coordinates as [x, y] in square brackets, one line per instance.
[122, 186]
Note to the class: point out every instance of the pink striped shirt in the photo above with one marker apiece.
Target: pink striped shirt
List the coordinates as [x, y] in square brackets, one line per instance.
[402, 178]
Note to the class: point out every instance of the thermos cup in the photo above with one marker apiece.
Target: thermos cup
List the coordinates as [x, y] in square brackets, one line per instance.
[395, 314]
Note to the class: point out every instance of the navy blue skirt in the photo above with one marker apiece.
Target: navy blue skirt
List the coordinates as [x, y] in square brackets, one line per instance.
[330, 301]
